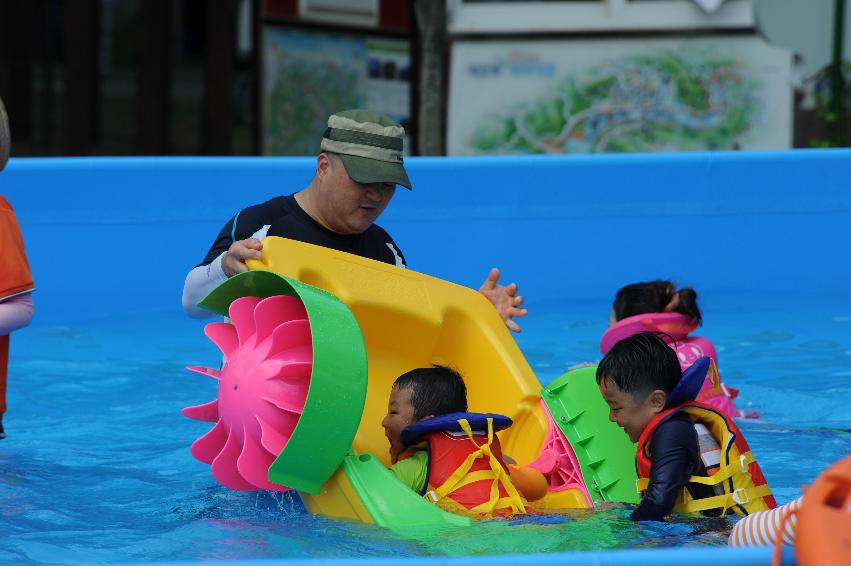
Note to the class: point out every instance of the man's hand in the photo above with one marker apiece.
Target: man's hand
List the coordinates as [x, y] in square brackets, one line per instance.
[233, 261]
[504, 298]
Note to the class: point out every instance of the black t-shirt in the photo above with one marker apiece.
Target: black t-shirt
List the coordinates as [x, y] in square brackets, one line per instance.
[282, 216]
[674, 457]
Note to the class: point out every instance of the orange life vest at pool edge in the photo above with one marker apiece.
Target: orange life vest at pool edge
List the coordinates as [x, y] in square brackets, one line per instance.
[738, 481]
[466, 474]
[15, 277]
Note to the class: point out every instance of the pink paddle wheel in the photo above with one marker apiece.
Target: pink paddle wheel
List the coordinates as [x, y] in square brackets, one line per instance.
[262, 389]
[557, 461]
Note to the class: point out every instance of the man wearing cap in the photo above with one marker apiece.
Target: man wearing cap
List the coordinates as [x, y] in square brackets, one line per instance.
[356, 176]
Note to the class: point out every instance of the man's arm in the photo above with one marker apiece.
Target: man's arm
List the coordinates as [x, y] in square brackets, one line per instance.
[200, 281]
[673, 457]
[505, 299]
[205, 278]
[238, 240]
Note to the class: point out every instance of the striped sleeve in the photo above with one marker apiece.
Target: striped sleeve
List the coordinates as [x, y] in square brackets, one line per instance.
[764, 528]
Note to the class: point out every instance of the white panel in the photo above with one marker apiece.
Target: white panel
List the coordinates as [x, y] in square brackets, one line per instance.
[602, 15]
[358, 13]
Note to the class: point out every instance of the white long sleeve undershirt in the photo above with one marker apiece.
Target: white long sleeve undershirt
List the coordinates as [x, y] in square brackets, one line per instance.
[200, 281]
[15, 313]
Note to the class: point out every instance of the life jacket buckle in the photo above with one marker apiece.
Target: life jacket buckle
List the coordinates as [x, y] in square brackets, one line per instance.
[740, 496]
[743, 462]
[432, 495]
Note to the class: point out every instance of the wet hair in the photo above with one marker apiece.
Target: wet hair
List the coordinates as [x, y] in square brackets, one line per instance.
[640, 364]
[434, 391]
[654, 296]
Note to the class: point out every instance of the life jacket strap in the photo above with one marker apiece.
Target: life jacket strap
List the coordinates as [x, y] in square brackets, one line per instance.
[740, 496]
[501, 503]
[725, 472]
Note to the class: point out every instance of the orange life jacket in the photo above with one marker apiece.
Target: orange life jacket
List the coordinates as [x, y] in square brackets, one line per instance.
[738, 481]
[467, 474]
[15, 278]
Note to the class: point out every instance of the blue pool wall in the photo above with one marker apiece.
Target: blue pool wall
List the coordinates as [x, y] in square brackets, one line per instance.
[660, 557]
[109, 236]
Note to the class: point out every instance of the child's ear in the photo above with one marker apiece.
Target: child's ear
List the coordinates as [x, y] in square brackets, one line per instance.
[657, 400]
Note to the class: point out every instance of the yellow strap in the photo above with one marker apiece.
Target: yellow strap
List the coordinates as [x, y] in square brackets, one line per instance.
[714, 377]
[452, 481]
[727, 500]
[501, 503]
[723, 474]
[716, 478]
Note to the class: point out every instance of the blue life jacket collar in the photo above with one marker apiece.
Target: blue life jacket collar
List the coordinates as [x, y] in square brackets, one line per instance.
[414, 433]
[690, 383]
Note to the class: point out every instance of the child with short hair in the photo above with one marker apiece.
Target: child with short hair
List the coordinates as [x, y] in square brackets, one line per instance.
[657, 306]
[420, 394]
[690, 456]
[435, 445]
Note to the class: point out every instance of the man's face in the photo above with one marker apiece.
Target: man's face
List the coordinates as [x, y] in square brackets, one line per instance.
[631, 412]
[346, 206]
[400, 413]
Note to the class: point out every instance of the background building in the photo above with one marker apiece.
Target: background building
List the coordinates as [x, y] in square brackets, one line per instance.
[240, 77]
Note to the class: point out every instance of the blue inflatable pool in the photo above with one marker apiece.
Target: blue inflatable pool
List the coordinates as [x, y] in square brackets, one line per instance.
[97, 469]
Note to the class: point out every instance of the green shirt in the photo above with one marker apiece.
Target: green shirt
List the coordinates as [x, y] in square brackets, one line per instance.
[412, 471]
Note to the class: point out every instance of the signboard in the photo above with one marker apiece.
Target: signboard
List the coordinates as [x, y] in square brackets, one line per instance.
[309, 75]
[618, 95]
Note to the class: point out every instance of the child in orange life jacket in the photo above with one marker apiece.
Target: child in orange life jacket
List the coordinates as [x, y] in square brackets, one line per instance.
[680, 461]
[16, 282]
[436, 445]
[656, 306]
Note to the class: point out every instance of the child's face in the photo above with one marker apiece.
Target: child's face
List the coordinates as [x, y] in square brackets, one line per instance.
[400, 413]
[631, 412]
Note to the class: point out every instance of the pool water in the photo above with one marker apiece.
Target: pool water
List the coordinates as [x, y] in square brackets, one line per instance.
[97, 468]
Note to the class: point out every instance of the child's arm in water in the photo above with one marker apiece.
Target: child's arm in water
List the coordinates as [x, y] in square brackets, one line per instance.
[673, 457]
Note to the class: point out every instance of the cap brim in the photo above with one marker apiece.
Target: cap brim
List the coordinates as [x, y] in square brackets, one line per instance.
[366, 171]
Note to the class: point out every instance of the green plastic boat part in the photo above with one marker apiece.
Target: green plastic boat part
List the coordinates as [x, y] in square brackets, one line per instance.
[604, 451]
[335, 398]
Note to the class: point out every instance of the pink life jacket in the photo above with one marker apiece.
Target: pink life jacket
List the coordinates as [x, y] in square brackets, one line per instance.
[688, 349]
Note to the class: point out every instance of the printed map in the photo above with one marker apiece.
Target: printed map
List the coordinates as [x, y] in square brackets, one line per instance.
[650, 104]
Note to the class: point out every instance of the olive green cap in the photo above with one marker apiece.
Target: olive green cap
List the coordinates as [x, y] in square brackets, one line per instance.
[369, 144]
